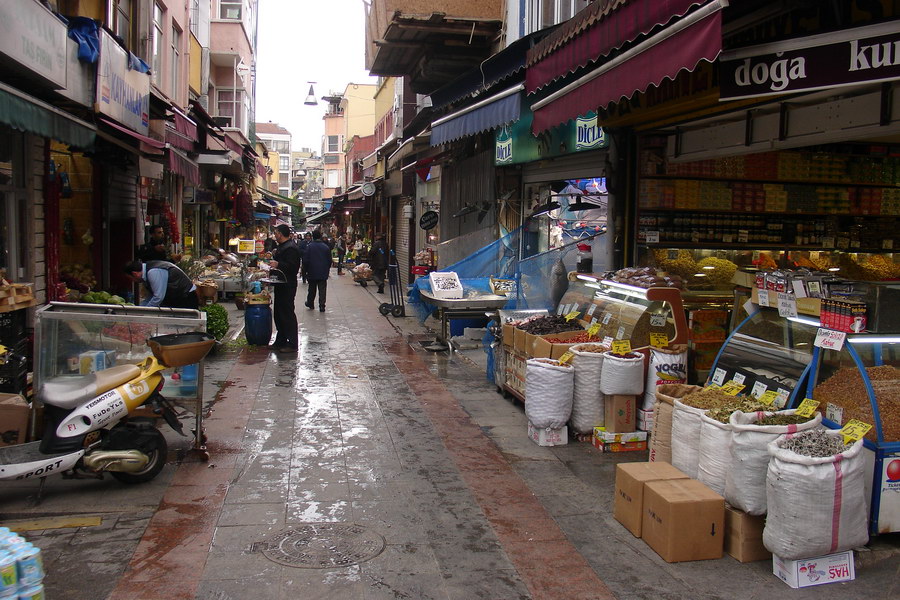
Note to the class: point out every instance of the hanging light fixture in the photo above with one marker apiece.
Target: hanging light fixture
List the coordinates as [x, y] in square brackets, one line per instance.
[311, 96]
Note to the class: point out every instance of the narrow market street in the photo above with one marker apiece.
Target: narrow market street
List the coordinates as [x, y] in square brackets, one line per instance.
[366, 427]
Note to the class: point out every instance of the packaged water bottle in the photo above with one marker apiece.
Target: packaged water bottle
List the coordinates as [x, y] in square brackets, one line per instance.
[30, 565]
[9, 579]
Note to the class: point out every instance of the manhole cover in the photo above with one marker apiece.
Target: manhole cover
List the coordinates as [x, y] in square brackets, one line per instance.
[322, 545]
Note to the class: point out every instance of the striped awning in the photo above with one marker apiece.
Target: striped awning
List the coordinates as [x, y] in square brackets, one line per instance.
[484, 115]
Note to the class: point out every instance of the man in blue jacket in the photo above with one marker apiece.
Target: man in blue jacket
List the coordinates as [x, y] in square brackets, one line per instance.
[316, 266]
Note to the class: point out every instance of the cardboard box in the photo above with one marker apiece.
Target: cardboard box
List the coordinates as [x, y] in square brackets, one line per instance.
[645, 420]
[548, 437]
[509, 335]
[600, 434]
[683, 520]
[541, 348]
[628, 503]
[743, 535]
[807, 572]
[14, 413]
[619, 414]
[520, 340]
[619, 446]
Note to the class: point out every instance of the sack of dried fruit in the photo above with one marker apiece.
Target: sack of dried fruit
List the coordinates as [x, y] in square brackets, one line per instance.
[686, 438]
[713, 453]
[661, 435]
[623, 374]
[667, 366]
[815, 492]
[549, 386]
[751, 433]
[587, 402]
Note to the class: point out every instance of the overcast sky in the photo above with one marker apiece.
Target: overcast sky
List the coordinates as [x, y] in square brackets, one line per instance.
[301, 41]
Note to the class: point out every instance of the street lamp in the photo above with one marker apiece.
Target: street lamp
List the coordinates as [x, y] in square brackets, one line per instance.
[311, 96]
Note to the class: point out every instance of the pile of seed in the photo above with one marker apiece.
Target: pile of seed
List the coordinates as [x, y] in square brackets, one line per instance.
[815, 443]
[731, 404]
[782, 419]
[846, 390]
[598, 348]
[708, 397]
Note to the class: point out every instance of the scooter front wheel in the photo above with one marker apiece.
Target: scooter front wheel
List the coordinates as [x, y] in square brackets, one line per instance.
[157, 450]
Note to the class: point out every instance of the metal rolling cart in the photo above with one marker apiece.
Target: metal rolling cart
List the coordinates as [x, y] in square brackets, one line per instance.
[73, 339]
[461, 308]
[395, 306]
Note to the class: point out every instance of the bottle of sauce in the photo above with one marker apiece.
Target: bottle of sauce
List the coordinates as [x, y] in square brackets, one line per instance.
[585, 262]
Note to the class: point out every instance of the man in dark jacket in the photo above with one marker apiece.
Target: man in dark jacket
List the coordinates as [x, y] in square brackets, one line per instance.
[168, 285]
[155, 246]
[378, 261]
[302, 244]
[316, 266]
[286, 258]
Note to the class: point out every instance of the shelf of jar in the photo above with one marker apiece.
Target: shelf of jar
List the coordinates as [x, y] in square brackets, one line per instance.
[727, 179]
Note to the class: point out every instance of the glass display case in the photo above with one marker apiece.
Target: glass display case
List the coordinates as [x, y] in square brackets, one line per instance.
[77, 339]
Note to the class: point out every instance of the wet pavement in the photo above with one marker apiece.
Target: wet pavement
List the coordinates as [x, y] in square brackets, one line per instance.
[365, 427]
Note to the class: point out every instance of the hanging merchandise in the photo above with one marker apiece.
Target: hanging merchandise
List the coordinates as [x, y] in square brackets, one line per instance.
[243, 207]
[549, 387]
[588, 401]
[815, 495]
[745, 477]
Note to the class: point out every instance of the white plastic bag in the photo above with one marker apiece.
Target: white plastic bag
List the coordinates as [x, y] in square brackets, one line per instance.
[661, 436]
[714, 453]
[686, 438]
[667, 366]
[816, 506]
[588, 401]
[622, 376]
[548, 393]
[745, 481]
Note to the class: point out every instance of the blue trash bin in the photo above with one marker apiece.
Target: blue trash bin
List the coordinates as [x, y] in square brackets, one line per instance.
[258, 324]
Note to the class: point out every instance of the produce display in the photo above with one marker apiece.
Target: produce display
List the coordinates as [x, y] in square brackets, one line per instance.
[718, 271]
[646, 277]
[216, 320]
[781, 419]
[546, 325]
[104, 298]
[845, 389]
[78, 277]
[131, 333]
[714, 399]
[680, 262]
[816, 443]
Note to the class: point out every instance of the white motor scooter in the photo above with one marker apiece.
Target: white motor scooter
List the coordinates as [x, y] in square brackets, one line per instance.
[86, 425]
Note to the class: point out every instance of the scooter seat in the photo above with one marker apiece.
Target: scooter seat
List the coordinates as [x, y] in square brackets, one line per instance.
[69, 392]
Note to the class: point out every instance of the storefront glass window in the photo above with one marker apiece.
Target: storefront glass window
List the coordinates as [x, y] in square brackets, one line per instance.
[564, 225]
[11, 203]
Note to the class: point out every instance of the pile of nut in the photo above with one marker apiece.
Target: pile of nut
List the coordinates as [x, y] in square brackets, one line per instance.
[845, 389]
[646, 277]
[815, 443]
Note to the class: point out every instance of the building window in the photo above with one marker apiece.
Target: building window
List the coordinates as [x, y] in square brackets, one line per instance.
[119, 19]
[332, 179]
[157, 43]
[176, 61]
[284, 163]
[334, 143]
[228, 104]
[230, 9]
[195, 17]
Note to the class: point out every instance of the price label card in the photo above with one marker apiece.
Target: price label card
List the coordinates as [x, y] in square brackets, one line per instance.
[566, 357]
[799, 288]
[620, 333]
[718, 377]
[787, 305]
[754, 256]
[769, 397]
[783, 396]
[733, 388]
[695, 236]
[594, 329]
[759, 388]
[572, 315]
[739, 378]
[594, 320]
[657, 320]
[834, 413]
[659, 340]
[591, 309]
[652, 237]
[621, 346]
[672, 254]
[743, 236]
[854, 430]
[763, 297]
[607, 341]
[606, 317]
[560, 309]
[713, 386]
[829, 339]
[807, 408]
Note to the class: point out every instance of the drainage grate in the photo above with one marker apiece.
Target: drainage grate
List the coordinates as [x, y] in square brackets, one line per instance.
[322, 545]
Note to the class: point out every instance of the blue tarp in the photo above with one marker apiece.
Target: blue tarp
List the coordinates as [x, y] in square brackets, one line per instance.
[86, 32]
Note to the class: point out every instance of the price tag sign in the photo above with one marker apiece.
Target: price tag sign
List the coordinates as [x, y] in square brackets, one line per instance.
[854, 430]
[591, 309]
[713, 386]
[606, 317]
[768, 398]
[572, 315]
[787, 305]
[566, 357]
[807, 407]
[759, 388]
[652, 237]
[830, 339]
[719, 377]
[739, 378]
[560, 309]
[594, 329]
[782, 399]
[834, 413]
[657, 320]
[732, 388]
[607, 341]
[621, 346]
[763, 297]
[672, 254]
[743, 236]
[620, 333]
[659, 340]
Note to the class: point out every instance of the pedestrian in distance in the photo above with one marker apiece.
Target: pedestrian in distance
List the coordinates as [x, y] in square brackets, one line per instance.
[302, 243]
[167, 285]
[378, 261]
[317, 266]
[286, 258]
[341, 249]
[155, 246]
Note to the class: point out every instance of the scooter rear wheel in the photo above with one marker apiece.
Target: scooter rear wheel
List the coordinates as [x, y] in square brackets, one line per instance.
[157, 454]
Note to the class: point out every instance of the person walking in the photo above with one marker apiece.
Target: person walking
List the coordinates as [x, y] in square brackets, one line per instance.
[341, 248]
[302, 244]
[317, 265]
[378, 261]
[168, 285]
[286, 258]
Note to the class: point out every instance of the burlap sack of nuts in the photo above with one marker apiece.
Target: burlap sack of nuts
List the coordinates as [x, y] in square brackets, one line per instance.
[661, 435]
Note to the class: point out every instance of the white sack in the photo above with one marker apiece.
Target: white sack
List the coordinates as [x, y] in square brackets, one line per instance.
[548, 393]
[661, 436]
[587, 405]
[816, 506]
[714, 453]
[745, 481]
[667, 366]
[686, 438]
[622, 376]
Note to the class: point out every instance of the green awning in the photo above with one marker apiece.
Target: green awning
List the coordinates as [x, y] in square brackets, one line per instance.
[318, 217]
[24, 113]
[279, 198]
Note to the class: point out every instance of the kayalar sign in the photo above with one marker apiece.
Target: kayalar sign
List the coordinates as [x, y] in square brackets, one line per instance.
[849, 57]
